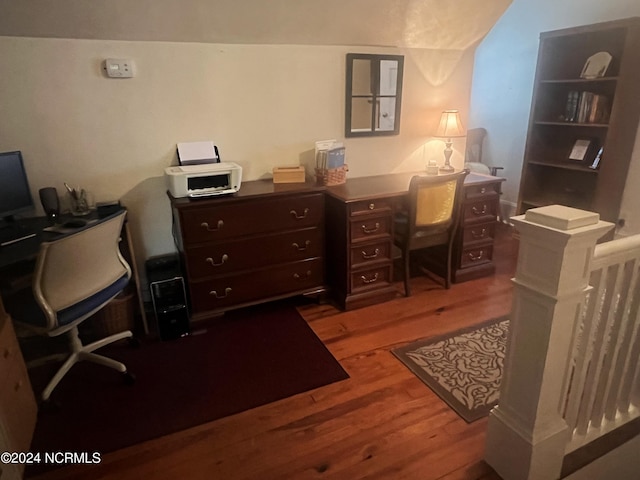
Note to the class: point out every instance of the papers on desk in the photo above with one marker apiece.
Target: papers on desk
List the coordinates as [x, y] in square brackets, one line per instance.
[329, 154]
[195, 153]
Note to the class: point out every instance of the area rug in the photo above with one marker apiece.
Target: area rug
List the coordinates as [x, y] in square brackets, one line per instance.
[464, 368]
[245, 359]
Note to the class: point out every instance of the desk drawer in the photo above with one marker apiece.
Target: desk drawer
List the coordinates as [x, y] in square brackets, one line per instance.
[478, 233]
[371, 278]
[483, 210]
[476, 256]
[371, 228]
[212, 223]
[222, 292]
[370, 253]
[233, 256]
[368, 207]
[474, 191]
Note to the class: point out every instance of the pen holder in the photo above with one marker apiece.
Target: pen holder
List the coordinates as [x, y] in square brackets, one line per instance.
[79, 203]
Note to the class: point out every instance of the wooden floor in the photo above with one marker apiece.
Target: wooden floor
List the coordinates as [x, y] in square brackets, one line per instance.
[381, 423]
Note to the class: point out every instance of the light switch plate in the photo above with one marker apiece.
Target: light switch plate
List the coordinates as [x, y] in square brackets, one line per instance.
[118, 68]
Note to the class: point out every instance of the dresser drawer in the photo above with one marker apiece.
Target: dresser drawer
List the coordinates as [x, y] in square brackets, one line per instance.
[478, 233]
[476, 256]
[250, 286]
[370, 228]
[368, 207]
[362, 255]
[228, 220]
[482, 210]
[233, 256]
[371, 278]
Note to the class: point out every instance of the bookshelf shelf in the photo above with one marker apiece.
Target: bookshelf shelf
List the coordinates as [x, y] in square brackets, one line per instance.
[572, 124]
[568, 111]
[567, 166]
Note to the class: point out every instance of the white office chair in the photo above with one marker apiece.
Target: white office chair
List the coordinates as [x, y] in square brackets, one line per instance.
[76, 276]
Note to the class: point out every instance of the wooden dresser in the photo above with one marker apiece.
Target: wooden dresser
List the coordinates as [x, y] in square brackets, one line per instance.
[473, 248]
[18, 408]
[263, 243]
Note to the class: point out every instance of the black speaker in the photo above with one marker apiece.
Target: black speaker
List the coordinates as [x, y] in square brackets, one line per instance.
[50, 202]
[169, 296]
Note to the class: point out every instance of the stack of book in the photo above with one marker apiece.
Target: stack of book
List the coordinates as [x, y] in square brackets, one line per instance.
[586, 107]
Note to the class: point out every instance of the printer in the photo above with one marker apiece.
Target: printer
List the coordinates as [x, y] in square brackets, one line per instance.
[203, 180]
[201, 173]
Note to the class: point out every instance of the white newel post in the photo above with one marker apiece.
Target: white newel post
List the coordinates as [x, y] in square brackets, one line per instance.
[526, 434]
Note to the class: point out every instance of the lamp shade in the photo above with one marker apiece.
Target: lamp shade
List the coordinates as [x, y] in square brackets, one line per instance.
[450, 125]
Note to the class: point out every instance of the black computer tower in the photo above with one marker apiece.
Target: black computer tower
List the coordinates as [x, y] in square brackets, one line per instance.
[168, 296]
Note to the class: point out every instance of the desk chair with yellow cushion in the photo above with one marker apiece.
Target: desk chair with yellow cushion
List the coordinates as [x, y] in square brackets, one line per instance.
[430, 219]
[77, 275]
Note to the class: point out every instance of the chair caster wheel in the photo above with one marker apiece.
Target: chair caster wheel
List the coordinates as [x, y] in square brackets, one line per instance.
[129, 378]
[48, 406]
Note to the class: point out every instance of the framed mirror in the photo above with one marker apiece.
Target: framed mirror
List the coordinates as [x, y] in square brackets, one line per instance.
[373, 94]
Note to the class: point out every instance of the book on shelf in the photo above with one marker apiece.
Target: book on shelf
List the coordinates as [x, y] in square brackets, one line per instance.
[586, 107]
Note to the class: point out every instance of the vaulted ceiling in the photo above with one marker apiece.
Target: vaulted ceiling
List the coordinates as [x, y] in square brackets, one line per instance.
[429, 24]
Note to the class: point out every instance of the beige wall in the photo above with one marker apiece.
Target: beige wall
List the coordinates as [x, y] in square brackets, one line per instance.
[263, 106]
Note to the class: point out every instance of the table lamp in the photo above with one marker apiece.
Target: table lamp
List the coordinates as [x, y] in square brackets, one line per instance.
[450, 126]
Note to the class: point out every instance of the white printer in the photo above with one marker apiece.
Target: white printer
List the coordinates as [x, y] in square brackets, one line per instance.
[204, 180]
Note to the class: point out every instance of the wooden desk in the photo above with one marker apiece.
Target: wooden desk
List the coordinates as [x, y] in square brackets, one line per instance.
[17, 260]
[359, 219]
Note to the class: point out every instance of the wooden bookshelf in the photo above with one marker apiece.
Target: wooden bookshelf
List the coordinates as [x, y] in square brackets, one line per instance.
[548, 175]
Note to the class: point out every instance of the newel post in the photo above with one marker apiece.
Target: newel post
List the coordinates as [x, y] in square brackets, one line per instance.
[527, 435]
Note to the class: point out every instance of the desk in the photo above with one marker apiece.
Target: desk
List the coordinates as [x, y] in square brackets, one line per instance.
[17, 260]
[359, 218]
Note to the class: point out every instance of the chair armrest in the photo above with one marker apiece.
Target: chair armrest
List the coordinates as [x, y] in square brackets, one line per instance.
[494, 170]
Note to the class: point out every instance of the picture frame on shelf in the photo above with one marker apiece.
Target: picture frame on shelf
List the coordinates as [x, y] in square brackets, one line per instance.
[583, 150]
[596, 65]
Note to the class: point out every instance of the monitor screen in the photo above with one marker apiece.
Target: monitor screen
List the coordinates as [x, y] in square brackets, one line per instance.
[15, 196]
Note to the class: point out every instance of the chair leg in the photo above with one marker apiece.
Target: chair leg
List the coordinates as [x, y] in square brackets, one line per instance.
[104, 361]
[83, 352]
[406, 254]
[447, 275]
[62, 371]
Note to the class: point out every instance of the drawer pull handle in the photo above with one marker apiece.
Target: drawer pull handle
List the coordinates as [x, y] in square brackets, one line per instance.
[480, 234]
[483, 190]
[227, 291]
[299, 248]
[372, 206]
[368, 256]
[209, 229]
[297, 275]
[369, 280]
[476, 211]
[299, 217]
[475, 258]
[211, 262]
[371, 230]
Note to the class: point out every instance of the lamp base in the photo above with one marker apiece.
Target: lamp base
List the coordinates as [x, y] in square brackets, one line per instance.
[447, 169]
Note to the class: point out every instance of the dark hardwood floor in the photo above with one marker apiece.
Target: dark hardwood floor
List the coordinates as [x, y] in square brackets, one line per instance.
[381, 423]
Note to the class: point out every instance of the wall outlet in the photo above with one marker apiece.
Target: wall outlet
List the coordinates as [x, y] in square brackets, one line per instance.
[118, 68]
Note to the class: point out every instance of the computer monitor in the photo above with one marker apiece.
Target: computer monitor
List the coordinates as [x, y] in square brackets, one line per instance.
[15, 195]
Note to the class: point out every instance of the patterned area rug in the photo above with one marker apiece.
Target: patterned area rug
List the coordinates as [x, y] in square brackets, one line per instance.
[464, 368]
